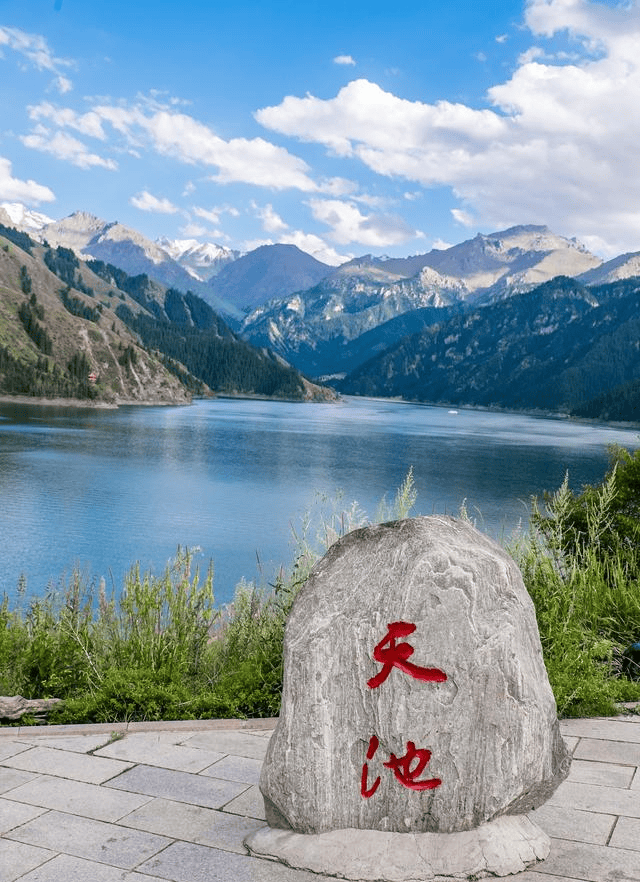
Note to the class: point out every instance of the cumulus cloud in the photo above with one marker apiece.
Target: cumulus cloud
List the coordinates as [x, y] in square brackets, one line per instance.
[316, 247]
[13, 189]
[344, 59]
[88, 124]
[35, 49]
[149, 125]
[348, 224]
[271, 220]
[66, 147]
[146, 201]
[556, 144]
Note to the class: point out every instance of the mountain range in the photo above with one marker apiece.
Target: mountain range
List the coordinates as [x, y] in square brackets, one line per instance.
[71, 328]
[379, 326]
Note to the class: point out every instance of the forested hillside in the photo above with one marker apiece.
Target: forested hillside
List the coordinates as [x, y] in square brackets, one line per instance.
[70, 329]
[560, 347]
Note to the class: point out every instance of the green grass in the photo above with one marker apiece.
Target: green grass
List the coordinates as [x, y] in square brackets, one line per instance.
[164, 650]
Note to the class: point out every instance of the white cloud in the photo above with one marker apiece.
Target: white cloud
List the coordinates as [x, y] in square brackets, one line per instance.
[557, 146]
[344, 59]
[211, 215]
[86, 123]
[148, 125]
[271, 220]
[193, 230]
[348, 224]
[66, 147]
[146, 201]
[13, 189]
[316, 247]
[463, 217]
[35, 49]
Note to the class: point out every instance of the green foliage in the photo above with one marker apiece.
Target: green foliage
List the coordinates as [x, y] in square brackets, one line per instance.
[128, 357]
[581, 569]
[77, 307]
[22, 240]
[25, 280]
[216, 356]
[30, 314]
[604, 519]
[64, 263]
[42, 379]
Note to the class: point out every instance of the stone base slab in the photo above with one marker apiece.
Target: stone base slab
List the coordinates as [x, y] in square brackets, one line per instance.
[506, 845]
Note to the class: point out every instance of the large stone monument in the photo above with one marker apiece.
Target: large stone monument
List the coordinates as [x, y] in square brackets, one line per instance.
[418, 726]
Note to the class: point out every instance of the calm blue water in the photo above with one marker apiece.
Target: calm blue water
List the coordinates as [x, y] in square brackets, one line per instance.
[104, 489]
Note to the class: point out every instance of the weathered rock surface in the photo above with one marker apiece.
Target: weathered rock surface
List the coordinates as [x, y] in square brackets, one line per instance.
[349, 720]
[507, 845]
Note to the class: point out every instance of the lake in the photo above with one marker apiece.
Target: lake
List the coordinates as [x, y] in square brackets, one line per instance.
[102, 489]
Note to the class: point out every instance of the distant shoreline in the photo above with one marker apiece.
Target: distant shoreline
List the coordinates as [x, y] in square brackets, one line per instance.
[79, 403]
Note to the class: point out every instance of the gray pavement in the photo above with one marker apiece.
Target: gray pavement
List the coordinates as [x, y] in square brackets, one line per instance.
[157, 801]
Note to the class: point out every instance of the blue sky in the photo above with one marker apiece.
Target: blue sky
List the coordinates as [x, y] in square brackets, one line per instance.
[344, 127]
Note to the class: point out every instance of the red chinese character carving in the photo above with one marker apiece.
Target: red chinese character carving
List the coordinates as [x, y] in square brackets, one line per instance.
[401, 768]
[364, 790]
[391, 655]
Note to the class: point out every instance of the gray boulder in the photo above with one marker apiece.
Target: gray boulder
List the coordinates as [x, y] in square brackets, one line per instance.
[415, 695]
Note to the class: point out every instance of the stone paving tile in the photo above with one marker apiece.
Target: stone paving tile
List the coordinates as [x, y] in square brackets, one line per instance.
[11, 778]
[183, 862]
[203, 826]
[179, 786]
[236, 768]
[580, 826]
[65, 868]
[95, 840]
[571, 741]
[12, 814]
[236, 743]
[11, 748]
[593, 798]
[609, 730]
[626, 834]
[593, 863]
[17, 859]
[605, 774]
[65, 764]
[249, 804]
[89, 800]
[622, 752]
[143, 747]
[74, 743]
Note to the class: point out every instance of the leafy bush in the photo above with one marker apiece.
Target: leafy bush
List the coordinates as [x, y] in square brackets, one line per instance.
[581, 570]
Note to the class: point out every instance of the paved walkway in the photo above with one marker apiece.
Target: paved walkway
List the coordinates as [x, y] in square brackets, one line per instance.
[174, 801]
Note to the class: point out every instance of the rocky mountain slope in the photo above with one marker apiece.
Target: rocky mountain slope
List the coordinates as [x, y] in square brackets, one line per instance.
[88, 330]
[202, 260]
[318, 330]
[267, 272]
[556, 347]
[75, 345]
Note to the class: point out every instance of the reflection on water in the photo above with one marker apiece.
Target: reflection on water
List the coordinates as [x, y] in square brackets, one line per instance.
[107, 488]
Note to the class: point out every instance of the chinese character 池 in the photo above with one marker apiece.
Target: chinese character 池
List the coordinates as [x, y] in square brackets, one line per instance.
[402, 767]
[395, 655]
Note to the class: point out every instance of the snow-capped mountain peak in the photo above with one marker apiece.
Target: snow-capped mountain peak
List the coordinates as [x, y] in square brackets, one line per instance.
[24, 218]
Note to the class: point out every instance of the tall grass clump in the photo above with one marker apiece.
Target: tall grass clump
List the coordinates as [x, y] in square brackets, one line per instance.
[581, 563]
